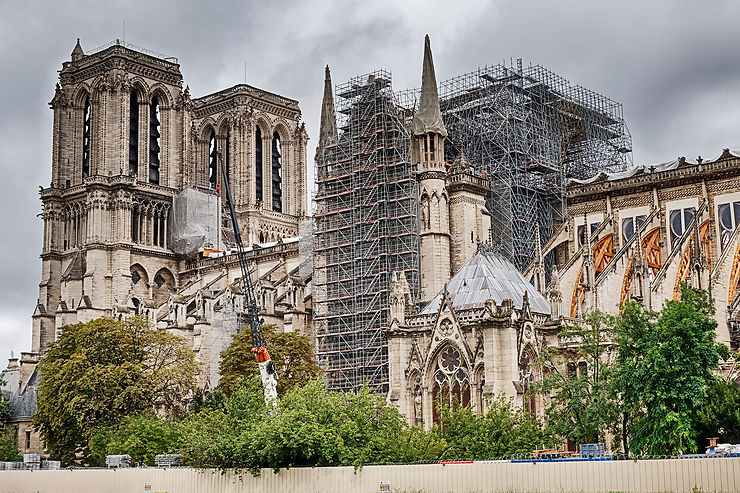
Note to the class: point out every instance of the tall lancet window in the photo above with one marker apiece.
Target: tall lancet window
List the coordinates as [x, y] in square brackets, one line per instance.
[212, 161]
[133, 135]
[227, 163]
[226, 154]
[258, 165]
[86, 121]
[277, 174]
[154, 140]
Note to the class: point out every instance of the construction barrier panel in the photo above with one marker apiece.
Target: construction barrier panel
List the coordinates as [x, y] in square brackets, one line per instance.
[720, 475]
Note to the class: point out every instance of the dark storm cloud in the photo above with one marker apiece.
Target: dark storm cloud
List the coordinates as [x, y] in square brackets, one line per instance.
[673, 64]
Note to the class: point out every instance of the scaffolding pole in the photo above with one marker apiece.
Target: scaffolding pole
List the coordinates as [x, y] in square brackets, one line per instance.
[366, 228]
[530, 130]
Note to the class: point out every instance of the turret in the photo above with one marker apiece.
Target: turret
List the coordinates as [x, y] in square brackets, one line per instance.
[470, 221]
[328, 129]
[77, 52]
[427, 150]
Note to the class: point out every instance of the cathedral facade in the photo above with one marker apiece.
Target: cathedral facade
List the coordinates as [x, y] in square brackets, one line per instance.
[130, 147]
[128, 140]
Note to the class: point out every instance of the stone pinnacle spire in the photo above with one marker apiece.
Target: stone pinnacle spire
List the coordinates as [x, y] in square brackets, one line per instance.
[328, 130]
[77, 53]
[428, 118]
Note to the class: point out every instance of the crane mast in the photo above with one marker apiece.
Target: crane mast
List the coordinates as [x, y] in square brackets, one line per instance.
[268, 373]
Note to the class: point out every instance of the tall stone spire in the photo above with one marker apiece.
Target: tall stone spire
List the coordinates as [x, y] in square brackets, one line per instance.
[428, 118]
[328, 130]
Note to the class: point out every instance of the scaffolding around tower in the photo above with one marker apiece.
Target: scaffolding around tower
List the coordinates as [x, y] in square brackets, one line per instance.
[530, 130]
[365, 229]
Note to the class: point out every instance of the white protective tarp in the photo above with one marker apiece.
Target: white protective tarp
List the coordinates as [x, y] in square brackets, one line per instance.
[195, 222]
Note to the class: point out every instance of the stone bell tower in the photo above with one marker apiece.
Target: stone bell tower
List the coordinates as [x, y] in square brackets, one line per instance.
[116, 163]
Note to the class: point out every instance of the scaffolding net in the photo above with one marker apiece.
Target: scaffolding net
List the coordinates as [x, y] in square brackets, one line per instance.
[530, 130]
[365, 228]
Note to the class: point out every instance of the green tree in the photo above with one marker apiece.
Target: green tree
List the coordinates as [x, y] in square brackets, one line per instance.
[142, 437]
[577, 379]
[502, 430]
[664, 370]
[720, 415]
[5, 410]
[8, 448]
[99, 372]
[633, 337]
[314, 427]
[291, 353]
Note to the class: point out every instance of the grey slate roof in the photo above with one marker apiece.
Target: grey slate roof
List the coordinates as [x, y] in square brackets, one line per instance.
[486, 275]
[22, 406]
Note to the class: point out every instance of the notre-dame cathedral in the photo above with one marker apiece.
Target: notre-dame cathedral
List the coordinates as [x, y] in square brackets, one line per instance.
[134, 224]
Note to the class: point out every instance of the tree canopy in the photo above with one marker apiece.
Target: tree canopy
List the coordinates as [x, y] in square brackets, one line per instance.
[8, 448]
[665, 366]
[142, 437]
[503, 430]
[290, 352]
[581, 407]
[99, 372]
[720, 415]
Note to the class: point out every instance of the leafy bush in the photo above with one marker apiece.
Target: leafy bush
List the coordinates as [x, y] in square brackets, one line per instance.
[8, 448]
[142, 437]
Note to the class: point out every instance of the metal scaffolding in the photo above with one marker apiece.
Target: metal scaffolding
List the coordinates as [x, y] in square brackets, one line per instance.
[365, 228]
[530, 130]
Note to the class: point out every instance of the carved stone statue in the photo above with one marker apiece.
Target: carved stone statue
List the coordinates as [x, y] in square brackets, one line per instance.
[417, 405]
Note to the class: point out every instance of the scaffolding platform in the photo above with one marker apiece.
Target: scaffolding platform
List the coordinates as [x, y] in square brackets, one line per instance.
[530, 130]
[365, 229]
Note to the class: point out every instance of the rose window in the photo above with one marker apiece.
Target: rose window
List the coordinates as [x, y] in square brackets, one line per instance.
[450, 359]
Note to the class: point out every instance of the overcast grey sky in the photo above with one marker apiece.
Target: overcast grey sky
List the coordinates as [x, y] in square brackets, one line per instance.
[674, 64]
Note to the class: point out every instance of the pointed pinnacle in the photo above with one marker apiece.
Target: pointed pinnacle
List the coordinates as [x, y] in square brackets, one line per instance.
[428, 118]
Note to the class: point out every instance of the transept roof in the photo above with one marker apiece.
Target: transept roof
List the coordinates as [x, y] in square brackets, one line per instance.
[487, 275]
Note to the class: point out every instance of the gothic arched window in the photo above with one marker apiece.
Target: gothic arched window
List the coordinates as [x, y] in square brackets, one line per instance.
[154, 140]
[86, 123]
[227, 155]
[258, 165]
[277, 173]
[212, 161]
[133, 135]
[451, 381]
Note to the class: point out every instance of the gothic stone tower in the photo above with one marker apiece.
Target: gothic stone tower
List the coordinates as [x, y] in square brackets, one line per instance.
[427, 153]
[452, 210]
[126, 140]
[264, 148]
[118, 119]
